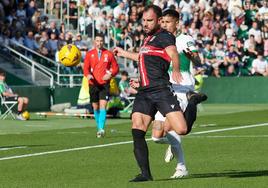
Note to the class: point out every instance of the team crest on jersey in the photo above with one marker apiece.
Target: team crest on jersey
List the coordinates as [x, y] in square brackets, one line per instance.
[105, 57]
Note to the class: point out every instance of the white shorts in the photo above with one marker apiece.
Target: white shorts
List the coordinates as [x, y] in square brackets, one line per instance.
[180, 91]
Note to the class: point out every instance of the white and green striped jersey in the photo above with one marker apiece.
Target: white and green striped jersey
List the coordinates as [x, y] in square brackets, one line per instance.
[183, 43]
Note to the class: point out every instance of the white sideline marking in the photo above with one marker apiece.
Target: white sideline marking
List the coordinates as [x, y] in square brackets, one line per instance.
[229, 129]
[10, 148]
[121, 143]
[230, 136]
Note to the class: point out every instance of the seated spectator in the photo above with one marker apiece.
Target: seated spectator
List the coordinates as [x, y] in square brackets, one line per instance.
[208, 58]
[232, 58]
[52, 44]
[53, 29]
[250, 46]
[30, 42]
[259, 65]
[124, 87]
[8, 94]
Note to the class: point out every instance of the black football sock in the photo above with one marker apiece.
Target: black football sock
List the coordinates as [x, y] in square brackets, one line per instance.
[19, 112]
[190, 115]
[141, 151]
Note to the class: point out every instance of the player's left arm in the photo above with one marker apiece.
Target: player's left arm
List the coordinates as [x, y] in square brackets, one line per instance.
[174, 56]
[192, 53]
[114, 69]
[114, 66]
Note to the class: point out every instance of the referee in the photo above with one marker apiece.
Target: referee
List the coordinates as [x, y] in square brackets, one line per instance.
[100, 66]
[154, 58]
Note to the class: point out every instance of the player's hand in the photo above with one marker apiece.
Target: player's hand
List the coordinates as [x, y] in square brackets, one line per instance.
[134, 83]
[188, 53]
[89, 77]
[118, 51]
[176, 76]
[107, 76]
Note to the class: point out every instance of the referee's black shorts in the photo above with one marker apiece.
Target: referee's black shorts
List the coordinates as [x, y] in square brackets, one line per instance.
[162, 100]
[99, 92]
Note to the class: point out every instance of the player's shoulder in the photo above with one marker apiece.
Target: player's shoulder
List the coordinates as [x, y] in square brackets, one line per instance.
[165, 33]
[185, 37]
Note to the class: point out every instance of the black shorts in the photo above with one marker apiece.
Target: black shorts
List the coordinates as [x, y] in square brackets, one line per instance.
[100, 92]
[162, 100]
[11, 98]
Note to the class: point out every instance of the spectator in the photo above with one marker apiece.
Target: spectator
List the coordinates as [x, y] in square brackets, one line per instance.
[125, 89]
[185, 8]
[208, 58]
[119, 9]
[231, 58]
[53, 29]
[250, 46]
[73, 14]
[255, 31]
[8, 94]
[94, 10]
[52, 45]
[30, 42]
[259, 65]
[17, 39]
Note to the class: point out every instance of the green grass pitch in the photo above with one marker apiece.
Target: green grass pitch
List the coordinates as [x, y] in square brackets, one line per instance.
[64, 152]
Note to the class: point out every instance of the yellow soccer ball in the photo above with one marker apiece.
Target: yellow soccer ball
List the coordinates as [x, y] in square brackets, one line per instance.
[26, 115]
[69, 55]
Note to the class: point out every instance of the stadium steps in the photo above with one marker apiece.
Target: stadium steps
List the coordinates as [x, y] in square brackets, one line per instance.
[13, 67]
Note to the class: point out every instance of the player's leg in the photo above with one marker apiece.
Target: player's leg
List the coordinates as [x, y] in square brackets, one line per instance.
[20, 108]
[104, 97]
[94, 99]
[25, 103]
[158, 129]
[142, 113]
[140, 123]
[191, 110]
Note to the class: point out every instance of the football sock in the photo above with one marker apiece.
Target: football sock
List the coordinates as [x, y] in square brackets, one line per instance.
[97, 117]
[19, 112]
[141, 151]
[190, 115]
[161, 140]
[176, 147]
[102, 118]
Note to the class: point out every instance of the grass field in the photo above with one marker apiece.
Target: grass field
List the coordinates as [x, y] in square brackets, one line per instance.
[227, 148]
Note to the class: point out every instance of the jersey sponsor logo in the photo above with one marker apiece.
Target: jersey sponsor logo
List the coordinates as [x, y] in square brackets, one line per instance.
[105, 58]
[190, 43]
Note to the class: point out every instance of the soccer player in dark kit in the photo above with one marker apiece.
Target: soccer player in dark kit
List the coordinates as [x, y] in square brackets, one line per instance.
[154, 93]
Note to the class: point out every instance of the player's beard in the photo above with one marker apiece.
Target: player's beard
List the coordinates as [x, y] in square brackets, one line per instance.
[153, 31]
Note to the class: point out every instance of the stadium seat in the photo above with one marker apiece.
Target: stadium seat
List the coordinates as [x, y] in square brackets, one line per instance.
[9, 105]
[130, 104]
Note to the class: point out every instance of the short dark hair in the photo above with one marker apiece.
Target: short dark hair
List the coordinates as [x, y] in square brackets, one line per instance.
[124, 73]
[171, 12]
[2, 72]
[156, 9]
[99, 35]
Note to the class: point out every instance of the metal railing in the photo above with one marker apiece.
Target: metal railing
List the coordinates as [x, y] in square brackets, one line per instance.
[54, 68]
[38, 74]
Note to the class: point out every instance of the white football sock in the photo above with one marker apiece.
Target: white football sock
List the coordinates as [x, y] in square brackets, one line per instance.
[176, 148]
[161, 140]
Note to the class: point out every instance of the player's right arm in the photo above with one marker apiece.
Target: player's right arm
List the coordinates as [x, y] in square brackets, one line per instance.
[87, 67]
[127, 54]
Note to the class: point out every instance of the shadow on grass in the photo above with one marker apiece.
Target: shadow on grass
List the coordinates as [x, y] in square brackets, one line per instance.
[229, 174]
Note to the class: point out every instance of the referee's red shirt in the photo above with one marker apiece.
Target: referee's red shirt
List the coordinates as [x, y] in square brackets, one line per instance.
[99, 67]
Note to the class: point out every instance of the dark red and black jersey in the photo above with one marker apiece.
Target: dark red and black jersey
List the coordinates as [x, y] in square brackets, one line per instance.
[154, 61]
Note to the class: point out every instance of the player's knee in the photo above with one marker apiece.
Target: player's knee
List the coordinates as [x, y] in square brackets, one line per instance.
[181, 131]
[20, 100]
[26, 100]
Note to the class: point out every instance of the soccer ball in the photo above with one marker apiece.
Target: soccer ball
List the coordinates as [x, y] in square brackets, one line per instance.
[69, 55]
[26, 115]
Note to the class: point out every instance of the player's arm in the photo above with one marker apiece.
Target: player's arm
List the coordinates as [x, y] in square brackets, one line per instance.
[193, 56]
[127, 54]
[174, 56]
[113, 70]
[87, 67]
